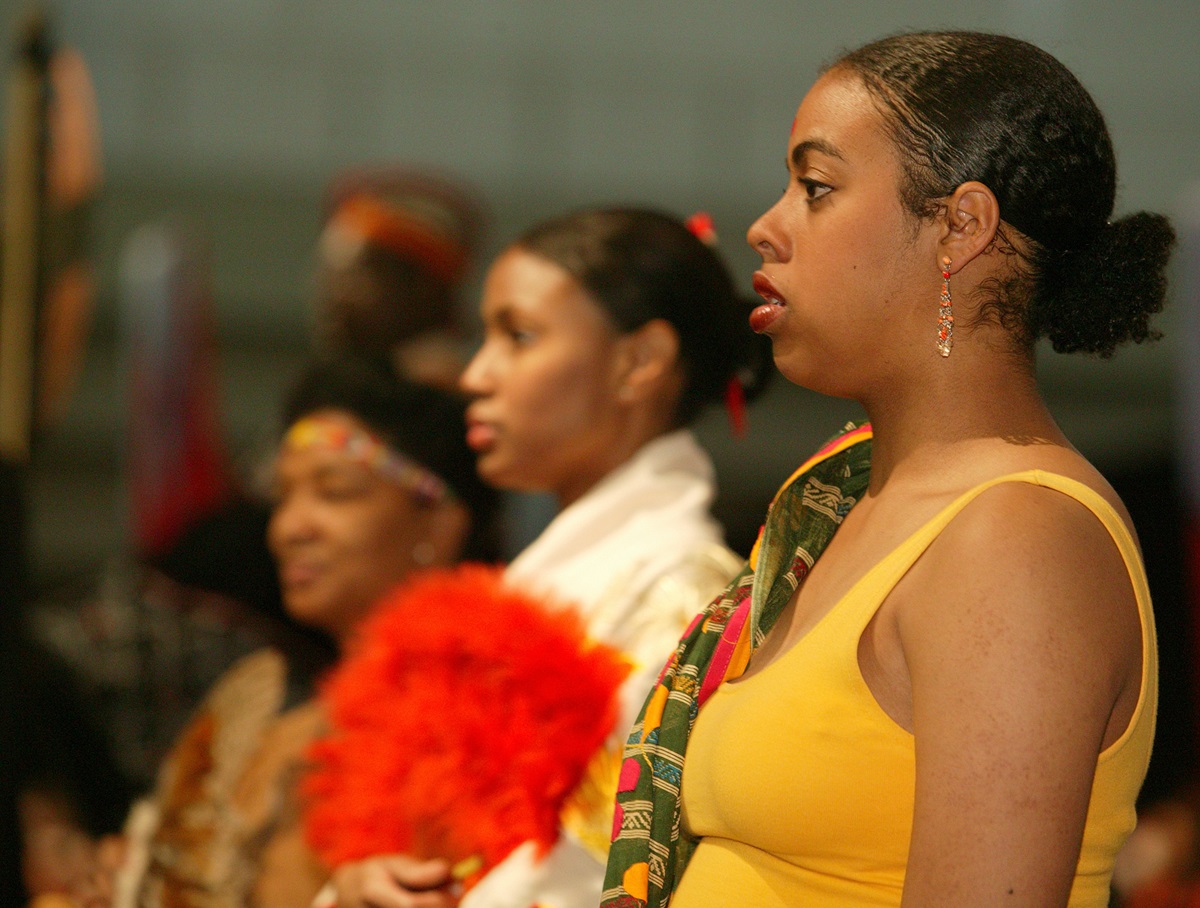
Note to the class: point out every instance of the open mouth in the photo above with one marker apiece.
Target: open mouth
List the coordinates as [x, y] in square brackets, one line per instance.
[762, 317]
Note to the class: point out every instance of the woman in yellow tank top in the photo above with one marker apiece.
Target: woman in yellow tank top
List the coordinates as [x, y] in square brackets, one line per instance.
[956, 705]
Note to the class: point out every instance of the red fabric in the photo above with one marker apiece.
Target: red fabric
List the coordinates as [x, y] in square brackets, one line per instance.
[735, 407]
[1166, 894]
[177, 462]
[179, 469]
[1192, 566]
[460, 723]
[404, 235]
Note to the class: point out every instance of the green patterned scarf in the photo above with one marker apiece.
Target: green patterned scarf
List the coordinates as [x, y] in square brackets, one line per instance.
[649, 850]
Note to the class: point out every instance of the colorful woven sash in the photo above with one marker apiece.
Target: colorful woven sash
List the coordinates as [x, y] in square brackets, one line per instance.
[649, 850]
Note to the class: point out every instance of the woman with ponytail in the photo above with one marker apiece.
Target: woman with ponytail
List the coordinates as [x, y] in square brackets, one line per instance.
[955, 704]
[606, 332]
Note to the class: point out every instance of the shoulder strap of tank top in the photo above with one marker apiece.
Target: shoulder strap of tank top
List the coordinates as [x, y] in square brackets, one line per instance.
[889, 571]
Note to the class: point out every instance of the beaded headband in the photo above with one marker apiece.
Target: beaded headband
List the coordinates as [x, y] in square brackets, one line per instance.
[333, 434]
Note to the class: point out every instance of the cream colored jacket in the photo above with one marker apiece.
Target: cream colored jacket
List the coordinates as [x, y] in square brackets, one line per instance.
[638, 555]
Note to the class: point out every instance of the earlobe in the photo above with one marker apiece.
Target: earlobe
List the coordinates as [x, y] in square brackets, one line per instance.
[972, 219]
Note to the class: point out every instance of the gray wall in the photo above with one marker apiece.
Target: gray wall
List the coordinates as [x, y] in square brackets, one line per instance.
[233, 113]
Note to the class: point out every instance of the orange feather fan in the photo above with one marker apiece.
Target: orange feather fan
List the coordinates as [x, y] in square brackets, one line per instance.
[460, 722]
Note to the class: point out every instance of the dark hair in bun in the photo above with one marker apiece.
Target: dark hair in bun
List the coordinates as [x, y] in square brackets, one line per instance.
[968, 106]
[639, 265]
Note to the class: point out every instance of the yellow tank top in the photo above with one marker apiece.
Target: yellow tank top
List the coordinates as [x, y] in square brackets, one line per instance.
[801, 787]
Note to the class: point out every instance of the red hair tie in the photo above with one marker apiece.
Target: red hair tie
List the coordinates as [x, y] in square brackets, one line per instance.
[735, 406]
[701, 226]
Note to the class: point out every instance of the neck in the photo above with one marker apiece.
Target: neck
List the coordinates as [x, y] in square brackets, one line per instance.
[623, 447]
[969, 401]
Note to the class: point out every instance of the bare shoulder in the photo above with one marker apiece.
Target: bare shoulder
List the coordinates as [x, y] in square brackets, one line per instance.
[1034, 553]
[1049, 526]
[1021, 638]
[1068, 463]
[1043, 542]
[1032, 586]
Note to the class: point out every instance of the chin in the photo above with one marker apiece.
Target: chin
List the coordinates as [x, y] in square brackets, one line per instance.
[807, 372]
[500, 475]
[307, 609]
[796, 370]
[490, 475]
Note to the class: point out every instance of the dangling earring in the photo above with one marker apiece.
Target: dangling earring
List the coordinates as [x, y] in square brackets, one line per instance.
[945, 335]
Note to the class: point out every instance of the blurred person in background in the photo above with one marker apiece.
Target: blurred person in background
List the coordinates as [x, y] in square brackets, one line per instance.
[394, 244]
[54, 805]
[606, 332]
[394, 247]
[372, 481]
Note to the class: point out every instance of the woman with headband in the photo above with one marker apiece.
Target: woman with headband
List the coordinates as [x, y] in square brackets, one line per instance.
[372, 482]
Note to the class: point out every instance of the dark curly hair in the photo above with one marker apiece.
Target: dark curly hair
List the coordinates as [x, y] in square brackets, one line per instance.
[639, 265]
[968, 106]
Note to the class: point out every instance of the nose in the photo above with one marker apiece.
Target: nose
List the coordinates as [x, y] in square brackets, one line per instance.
[765, 237]
[291, 523]
[477, 378]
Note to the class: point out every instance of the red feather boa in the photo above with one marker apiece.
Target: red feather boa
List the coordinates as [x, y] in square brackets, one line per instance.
[461, 721]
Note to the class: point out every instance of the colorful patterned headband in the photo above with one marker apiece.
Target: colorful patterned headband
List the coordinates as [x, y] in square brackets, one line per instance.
[333, 434]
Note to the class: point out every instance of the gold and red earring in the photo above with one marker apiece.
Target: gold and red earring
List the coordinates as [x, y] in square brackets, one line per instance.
[945, 321]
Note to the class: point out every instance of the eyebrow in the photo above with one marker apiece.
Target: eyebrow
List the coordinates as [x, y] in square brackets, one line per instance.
[817, 145]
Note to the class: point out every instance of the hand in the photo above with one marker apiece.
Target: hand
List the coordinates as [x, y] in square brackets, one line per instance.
[96, 889]
[396, 881]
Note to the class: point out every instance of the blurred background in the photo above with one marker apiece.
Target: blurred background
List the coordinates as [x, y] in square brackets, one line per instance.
[233, 116]
[227, 119]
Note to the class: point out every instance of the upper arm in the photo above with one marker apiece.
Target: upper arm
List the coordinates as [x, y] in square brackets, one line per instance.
[1021, 634]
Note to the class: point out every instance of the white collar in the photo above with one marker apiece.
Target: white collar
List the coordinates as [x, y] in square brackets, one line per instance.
[637, 522]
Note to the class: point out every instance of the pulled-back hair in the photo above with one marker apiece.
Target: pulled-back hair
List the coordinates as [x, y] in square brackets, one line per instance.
[965, 106]
[639, 265]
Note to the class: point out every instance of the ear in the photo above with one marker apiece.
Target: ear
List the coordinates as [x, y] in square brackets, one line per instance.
[649, 355]
[970, 220]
